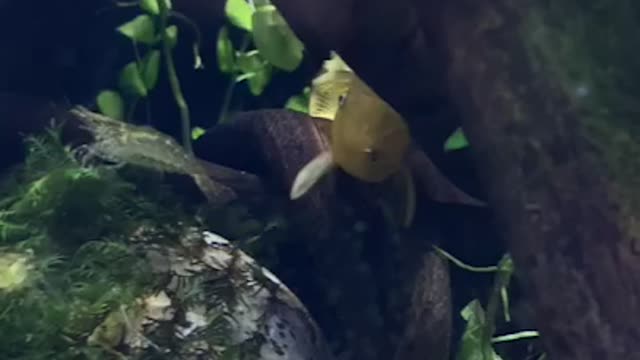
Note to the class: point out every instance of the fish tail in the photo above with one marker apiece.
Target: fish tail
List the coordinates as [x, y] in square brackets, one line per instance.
[215, 192]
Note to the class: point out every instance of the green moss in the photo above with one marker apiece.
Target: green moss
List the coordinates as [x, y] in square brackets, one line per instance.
[65, 262]
[54, 219]
[70, 261]
[589, 47]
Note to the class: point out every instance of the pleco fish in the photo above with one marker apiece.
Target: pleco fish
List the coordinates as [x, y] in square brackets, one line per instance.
[144, 146]
[369, 139]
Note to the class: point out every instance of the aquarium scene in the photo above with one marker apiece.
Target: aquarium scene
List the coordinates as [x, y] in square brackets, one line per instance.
[319, 180]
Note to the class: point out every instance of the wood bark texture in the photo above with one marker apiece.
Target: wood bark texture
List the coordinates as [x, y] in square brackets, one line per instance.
[550, 189]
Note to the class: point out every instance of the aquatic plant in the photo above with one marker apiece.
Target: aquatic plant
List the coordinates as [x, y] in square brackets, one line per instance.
[57, 279]
[138, 78]
[478, 339]
[276, 47]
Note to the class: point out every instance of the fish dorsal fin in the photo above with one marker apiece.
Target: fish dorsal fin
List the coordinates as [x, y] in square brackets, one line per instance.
[326, 94]
[335, 63]
[329, 87]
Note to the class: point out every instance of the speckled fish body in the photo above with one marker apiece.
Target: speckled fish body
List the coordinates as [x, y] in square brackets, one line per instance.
[144, 146]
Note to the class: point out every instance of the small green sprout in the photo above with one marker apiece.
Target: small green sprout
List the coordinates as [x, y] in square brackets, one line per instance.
[456, 141]
[300, 102]
[138, 78]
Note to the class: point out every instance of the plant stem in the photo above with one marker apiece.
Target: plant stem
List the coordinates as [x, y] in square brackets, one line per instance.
[173, 79]
[527, 334]
[132, 109]
[134, 102]
[198, 35]
[226, 102]
[224, 107]
[462, 265]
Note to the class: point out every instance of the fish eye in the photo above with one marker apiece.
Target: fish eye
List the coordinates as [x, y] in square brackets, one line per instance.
[373, 154]
[341, 99]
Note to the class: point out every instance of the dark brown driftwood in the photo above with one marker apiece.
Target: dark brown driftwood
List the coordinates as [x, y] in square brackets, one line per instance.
[567, 227]
[372, 296]
[570, 230]
[428, 334]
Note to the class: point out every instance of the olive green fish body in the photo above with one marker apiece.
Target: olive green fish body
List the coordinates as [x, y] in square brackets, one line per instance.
[369, 139]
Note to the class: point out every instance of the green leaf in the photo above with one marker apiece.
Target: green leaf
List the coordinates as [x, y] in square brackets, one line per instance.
[151, 69]
[239, 13]
[259, 82]
[150, 6]
[141, 29]
[225, 51]
[476, 339]
[255, 70]
[457, 140]
[111, 104]
[131, 82]
[275, 40]
[197, 132]
[172, 35]
[300, 102]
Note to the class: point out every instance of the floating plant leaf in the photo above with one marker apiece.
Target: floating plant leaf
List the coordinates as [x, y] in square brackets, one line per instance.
[111, 104]
[275, 40]
[457, 140]
[239, 13]
[225, 51]
[151, 69]
[141, 29]
[131, 81]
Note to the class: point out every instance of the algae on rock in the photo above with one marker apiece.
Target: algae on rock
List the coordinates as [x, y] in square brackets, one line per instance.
[93, 267]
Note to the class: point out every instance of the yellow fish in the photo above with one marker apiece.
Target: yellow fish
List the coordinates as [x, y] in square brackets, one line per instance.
[369, 139]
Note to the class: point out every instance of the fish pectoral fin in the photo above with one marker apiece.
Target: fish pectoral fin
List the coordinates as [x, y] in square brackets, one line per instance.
[400, 200]
[409, 187]
[311, 173]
